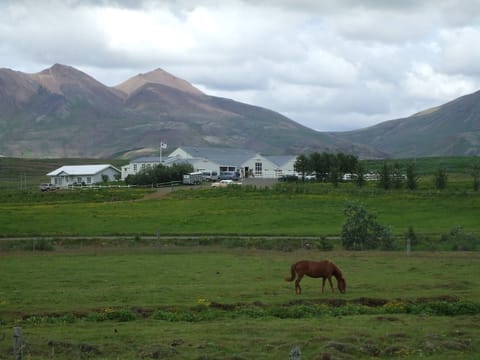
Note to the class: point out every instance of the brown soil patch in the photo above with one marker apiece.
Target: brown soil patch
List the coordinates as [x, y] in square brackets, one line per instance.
[158, 194]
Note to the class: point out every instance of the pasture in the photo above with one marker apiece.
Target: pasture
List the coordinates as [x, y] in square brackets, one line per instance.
[306, 210]
[215, 303]
[121, 277]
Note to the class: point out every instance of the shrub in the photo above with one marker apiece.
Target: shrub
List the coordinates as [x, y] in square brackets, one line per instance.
[323, 244]
[440, 179]
[361, 231]
[459, 240]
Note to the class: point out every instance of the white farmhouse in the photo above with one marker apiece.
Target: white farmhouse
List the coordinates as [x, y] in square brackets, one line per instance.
[83, 174]
[248, 163]
[285, 165]
[217, 160]
[139, 164]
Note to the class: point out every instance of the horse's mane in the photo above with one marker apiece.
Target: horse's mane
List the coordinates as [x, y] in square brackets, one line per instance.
[336, 271]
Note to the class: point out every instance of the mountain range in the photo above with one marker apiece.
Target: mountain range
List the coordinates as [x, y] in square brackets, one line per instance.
[64, 112]
[452, 129]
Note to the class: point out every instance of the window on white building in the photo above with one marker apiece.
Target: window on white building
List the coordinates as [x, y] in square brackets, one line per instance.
[258, 169]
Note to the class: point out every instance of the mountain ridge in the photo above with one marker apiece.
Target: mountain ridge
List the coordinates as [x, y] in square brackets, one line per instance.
[64, 112]
[450, 129]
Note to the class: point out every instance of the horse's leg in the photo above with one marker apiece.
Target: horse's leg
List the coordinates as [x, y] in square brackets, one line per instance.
[298, 289]
[331, 285]
[323, 284]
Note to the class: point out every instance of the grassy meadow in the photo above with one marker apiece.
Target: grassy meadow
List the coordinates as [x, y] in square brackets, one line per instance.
[214, 303]
[87, 277]
[306, 210]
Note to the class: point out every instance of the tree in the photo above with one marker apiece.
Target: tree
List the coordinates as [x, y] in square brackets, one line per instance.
[301, 165]
[361, 230]
[397, 176]
[412, 177]
[385, 178]
[440, 179]
[347, 163]
[334, 176]
[360, 178]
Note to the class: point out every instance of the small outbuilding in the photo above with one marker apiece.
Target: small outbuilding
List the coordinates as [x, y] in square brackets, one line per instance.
[69, 175]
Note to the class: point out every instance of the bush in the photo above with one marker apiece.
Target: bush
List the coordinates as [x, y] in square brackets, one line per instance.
[459, 240]
[440, 179]
[361, 231]
[323, 244]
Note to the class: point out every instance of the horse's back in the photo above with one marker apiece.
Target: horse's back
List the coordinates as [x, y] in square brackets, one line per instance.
[315, 268]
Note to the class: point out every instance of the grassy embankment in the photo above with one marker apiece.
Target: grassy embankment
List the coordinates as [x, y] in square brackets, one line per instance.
[310, 209]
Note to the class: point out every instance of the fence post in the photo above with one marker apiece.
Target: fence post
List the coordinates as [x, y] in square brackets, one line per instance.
[159, 245]
[409, 243]
[17, 343]
[295, 353]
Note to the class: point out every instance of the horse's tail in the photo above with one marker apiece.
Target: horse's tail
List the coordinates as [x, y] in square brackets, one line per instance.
[292, 273]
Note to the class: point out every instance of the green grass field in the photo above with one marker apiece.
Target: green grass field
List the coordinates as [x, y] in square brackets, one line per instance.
[213, 303]
[133, 295]
[311, 209]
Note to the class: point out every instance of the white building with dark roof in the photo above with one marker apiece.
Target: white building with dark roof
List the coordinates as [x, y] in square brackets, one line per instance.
[209, 159]
[248, 163]
[83, 174]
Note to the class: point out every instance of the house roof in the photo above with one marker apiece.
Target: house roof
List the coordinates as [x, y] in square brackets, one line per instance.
[281, 159]
[222, 156]
[81, 169]
[176, 160]
[146, 159]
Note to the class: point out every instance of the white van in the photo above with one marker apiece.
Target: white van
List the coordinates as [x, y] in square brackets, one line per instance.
[210, 175]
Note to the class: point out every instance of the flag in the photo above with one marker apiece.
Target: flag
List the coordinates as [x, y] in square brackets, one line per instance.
[163, 145]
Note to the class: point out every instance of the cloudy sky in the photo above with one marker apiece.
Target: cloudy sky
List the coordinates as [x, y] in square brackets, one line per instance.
[329, 65]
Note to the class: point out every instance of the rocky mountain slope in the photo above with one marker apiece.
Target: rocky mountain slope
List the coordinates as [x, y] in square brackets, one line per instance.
[452, 129]
[63, 112]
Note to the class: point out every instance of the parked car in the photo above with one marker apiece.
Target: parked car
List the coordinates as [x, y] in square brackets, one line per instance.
[229, 175]
[225, 183]
[47, 187]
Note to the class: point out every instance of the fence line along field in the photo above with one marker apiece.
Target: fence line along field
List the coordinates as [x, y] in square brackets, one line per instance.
[211, 302]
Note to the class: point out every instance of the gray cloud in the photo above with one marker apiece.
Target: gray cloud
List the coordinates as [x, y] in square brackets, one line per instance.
[330, 65]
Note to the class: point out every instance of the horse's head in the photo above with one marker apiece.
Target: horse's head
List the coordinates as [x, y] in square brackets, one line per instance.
[342, 285]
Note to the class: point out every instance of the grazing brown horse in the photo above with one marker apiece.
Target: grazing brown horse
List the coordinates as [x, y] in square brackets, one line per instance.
[324, 269]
